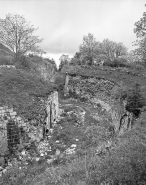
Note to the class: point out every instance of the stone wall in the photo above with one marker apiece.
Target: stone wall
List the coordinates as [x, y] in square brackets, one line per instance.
[10, 126]
[7, 66]
[16, 130]
[95, 90]
[66, 88]
[52, 109]
[47, 72]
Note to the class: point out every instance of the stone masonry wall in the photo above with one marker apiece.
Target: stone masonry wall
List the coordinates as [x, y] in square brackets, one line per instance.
[10, 124]
[96, 91]
[15, 130]
[7, 66]
[52, 108]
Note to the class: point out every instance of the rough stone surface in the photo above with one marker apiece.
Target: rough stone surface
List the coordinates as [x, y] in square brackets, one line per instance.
[52, 109]
[7, 66]
[14, 129]
[3, 138]
[66, 90]
[96, 91]
[46, 71]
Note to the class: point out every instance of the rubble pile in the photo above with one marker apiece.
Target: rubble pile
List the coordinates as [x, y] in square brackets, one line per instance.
[44, 148]
[71, 149]
[52, 150]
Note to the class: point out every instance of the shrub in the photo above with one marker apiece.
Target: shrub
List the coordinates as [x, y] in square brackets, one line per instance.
[75, 62]
[118, 62]
[133, 96]
[135, 100]
[60, 81]
[73, 94]
[23, 63]
[137, 65]
[5, 60]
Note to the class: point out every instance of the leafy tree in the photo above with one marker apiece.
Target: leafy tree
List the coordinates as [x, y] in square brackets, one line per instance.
[41, 52]
[63, 63]
[17, 34]
[76, 60]
[140, 51]
[120, 50]
[140, 27]
[77, 55]
[92, 50]
[89, 48]
[111, 50]
[52, 62]
[107, 50]
[140, 31]
[135, 100]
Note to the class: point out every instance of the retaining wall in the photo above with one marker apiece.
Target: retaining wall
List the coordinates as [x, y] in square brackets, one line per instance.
[95, 90]
[15, 130]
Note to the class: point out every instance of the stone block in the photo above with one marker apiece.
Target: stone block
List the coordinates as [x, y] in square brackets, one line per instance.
[26, 129]
[7, 110]
[11, 109]
[23, 124]
[18, 118]
[13, 113]
[7, 117]
[13, 117]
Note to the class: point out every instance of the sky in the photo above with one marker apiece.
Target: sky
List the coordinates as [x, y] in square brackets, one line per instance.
[63, 23]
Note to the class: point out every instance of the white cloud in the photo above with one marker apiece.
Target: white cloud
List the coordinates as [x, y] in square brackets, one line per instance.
[63, 23]
[56, 57]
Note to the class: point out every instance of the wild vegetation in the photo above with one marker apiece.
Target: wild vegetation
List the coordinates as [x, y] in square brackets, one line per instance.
[85, 150]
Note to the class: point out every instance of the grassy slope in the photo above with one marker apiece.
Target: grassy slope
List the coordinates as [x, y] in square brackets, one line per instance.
[5, 51]
[18, 87]
[32, 64]
[6, 55]
[116, 75]
[124, 163]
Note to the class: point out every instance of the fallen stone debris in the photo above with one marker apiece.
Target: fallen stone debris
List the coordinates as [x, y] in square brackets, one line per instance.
[43, 149]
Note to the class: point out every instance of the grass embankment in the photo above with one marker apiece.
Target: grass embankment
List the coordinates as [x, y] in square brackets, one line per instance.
[122, 163]
[126, 76]
[20, 89]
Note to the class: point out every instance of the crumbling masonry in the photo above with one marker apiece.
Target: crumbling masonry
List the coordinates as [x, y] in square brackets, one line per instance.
[15, 130]
[97, 90]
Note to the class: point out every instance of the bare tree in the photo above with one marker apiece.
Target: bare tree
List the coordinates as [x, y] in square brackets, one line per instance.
[17, 34]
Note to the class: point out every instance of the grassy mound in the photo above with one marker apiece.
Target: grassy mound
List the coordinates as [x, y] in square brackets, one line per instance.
[21, 89]
[117, 75]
